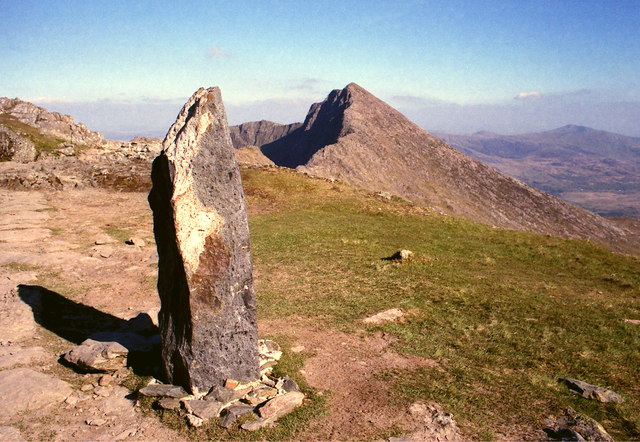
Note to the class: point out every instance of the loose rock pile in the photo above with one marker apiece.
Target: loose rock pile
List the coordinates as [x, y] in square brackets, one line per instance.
[575, 426]
[269, 397]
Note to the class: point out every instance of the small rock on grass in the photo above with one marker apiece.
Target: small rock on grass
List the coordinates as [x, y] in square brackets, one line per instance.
[576, 426]
[194, 421]
[257, 424]
[589, 391]
[281, 405]
[134, 241]
[289, 385]
[391, 314]
[402, 255]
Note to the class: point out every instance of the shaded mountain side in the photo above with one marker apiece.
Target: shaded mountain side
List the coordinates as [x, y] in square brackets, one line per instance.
[321, 127]
[257, 133]
[596, 169]
[358, 138]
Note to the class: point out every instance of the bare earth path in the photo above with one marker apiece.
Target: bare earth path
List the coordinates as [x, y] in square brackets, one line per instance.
[48, 241]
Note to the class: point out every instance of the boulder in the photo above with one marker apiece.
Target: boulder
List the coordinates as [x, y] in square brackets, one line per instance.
[208, 314]
[97, 356]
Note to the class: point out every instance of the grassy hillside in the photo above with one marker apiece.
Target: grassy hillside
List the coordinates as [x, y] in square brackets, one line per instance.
[504, 313]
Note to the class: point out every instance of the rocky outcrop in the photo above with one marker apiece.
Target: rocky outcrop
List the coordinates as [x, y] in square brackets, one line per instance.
[53, 123]
[14, 147]
[208, 314]
[358, 138]
[257, 133]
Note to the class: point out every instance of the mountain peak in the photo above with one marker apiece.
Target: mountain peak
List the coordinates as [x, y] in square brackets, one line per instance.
[574, 128]
[355, 136]
[355, 88]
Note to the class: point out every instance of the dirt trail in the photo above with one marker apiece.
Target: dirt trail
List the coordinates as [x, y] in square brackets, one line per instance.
[46, 243]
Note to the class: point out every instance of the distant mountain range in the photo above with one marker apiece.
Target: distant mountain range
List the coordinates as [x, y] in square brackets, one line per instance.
[595, 169]
[358, 138]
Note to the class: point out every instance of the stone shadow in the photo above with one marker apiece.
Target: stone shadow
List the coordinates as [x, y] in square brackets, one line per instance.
[77, 322]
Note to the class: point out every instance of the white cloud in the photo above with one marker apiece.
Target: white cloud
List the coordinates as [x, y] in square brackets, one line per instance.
[532, 95]
[49, 100]
[307, 84]
[216, 52]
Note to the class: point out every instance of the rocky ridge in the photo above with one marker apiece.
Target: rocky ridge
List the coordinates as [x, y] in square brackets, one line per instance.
[257, 133]
[52, 123]
[356, 137]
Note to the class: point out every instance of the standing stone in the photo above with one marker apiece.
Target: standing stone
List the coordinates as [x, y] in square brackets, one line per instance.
[208, 313]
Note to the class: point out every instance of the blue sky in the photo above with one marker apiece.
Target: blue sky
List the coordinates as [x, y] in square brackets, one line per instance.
[126, 68]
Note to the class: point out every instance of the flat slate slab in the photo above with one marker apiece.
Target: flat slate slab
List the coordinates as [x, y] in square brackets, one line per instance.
[10, 356]
[23, 389]
[164, 390]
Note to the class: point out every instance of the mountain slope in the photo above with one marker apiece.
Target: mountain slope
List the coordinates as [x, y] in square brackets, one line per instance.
[356, 137]
[577, 163]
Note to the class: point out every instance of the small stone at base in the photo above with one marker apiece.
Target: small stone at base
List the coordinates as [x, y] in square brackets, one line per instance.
[194, 421]
[169, 403]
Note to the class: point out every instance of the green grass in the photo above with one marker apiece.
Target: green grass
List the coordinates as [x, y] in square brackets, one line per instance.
[118, 233]
[20, 266]
[505, 313]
